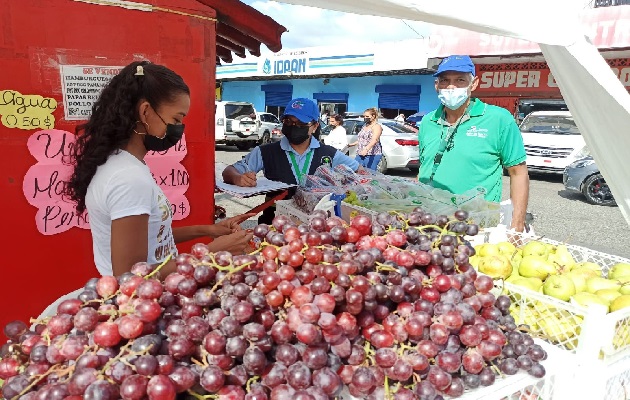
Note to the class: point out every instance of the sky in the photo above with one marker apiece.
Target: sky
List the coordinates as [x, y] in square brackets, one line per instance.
[310, 26]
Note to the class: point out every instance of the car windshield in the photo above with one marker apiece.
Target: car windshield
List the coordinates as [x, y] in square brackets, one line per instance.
[233, 111]
[552, 124]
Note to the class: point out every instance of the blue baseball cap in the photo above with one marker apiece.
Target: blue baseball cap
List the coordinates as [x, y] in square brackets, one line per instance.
[303, 109]
[456, 64]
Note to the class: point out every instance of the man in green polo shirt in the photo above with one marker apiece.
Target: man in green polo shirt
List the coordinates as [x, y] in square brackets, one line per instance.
[466, 143]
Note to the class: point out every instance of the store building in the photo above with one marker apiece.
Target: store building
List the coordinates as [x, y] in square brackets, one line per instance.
[397, 77]
[391, 77]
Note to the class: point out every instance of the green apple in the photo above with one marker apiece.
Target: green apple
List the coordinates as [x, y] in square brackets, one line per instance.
[559, 286]
[590, 265]
[563, 258]
[598, 283]
[586, 299]
[488, 249]
[608, 294]
[529, 283]
[620, 302]
[496, 266]
[618, 270]
[507, 248]
[578, 280]
[584, 272]
[535, 248]
[535, 267]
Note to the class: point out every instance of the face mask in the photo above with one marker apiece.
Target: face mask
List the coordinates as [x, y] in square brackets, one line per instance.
[295, 134]
[173, 135]
[453, 98]
[367, 120]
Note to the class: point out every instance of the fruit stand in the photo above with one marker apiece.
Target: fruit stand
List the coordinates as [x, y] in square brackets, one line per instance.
[320, 310]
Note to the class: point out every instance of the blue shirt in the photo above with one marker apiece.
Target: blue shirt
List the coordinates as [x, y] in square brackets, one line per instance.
[253, 162]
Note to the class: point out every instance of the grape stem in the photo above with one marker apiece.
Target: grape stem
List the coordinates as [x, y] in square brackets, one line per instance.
[37, 379]
[230, 271]
[159, 267]
[250, 381]
[201, 396]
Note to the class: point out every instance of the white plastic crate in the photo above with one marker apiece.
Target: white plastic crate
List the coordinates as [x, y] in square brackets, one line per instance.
[288, 208]
[561, 323]
[521, 386]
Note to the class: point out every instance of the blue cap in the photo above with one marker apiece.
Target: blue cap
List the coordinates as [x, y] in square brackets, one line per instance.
[303, 109]
[456, 64]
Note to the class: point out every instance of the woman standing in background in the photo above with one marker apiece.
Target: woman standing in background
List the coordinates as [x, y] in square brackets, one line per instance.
[369, 150]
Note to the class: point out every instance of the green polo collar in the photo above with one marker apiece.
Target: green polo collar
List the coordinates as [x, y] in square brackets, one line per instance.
[477, 109]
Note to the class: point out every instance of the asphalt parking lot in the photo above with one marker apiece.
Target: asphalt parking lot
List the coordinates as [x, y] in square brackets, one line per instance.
[560, 215]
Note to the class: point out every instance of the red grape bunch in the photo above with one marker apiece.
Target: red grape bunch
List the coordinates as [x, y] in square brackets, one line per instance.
[389, 308]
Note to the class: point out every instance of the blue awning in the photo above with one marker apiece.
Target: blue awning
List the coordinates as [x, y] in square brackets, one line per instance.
[281, 88]
[400, 89]
[331, 97]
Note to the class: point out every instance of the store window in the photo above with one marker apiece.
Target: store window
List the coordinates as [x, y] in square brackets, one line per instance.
[333, 103]
[394, 100]
[277, 97]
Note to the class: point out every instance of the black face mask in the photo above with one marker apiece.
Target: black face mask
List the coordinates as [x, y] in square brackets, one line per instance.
[173, 135]
[367, 120]
[295, 134]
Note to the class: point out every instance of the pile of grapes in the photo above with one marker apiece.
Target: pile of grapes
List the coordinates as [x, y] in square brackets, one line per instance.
[389, 309]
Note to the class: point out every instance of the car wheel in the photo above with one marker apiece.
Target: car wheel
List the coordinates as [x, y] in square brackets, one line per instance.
[243, 146]
[382, 165]
[266, 138]
[596, 191]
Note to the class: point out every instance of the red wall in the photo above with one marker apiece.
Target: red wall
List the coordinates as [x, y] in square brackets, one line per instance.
[36, 36]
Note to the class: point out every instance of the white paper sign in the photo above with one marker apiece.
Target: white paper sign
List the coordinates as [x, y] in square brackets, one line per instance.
[81, 86]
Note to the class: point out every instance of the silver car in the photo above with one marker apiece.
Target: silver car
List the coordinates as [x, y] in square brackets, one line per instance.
[399, 142]
[583, 176]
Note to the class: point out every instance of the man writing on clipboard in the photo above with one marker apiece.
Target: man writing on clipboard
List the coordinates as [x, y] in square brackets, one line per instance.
[296, 155]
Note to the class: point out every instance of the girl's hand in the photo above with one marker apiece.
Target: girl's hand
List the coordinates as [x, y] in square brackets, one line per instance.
[229, 225]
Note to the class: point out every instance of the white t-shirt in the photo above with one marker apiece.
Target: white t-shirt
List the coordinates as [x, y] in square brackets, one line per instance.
[122, 187]
[337, 138]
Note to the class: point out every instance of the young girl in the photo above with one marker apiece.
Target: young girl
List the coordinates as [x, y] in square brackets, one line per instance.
[142, 109]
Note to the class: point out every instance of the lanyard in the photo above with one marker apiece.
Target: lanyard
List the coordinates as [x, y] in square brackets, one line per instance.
[296, 167]
[450, 132]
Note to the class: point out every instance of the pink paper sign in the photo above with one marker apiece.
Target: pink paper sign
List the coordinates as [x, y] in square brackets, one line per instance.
[44, 181]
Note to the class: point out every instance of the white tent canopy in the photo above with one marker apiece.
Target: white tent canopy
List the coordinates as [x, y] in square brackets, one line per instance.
[597, 99]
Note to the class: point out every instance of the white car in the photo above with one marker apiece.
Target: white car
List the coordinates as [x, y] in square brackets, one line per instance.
[552, 141]
[399, 142]
[236, 124]
[268, 123]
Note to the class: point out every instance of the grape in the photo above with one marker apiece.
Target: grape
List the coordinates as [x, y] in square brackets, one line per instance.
[537, 370]
[509, 366]
[101, 389]
[134, 387]
[160, 387]
[146, 365]
[106, 334]
[212, 379]
[486, 377]
[299, 376]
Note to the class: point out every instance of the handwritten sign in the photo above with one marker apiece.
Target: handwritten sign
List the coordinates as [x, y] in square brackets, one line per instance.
[26, 111]
[81, 86]
[44, 182]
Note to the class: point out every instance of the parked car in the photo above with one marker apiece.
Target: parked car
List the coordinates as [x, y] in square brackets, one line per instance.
[268, 122]
[236, 124]
[400, 143]
[276, 134]
[552, 141]
[583, 176]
